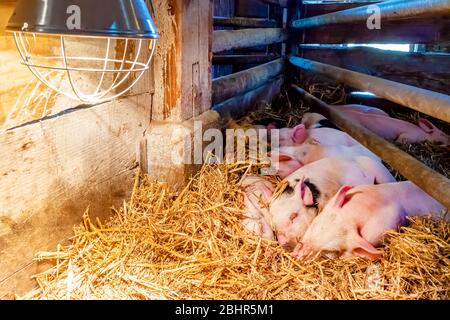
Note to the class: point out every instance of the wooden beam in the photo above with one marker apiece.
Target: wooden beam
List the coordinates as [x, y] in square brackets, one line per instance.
[389, 10]
[426, 70]
[238, 83]
[281, 3]
[243, 59]
[238, 22]
[312, 10]
[238, 106]
[432, 103]
[234, 39]
[406, 31]
[435, 184]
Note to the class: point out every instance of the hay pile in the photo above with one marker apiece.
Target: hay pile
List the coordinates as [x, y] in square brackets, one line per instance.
[433, 155]
[192, 246]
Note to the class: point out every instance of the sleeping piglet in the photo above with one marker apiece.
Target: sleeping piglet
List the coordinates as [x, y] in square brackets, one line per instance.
[398, 130]
[355, 219]
[361, 108]
[286, 160]
[316, 120]
[312, 186]
[326, 136]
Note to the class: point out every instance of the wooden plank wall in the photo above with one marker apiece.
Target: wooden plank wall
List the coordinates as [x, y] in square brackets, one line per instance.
[223, 8]
[251, 9]
[422, 69]
[426, 70]
[11, 86]
[52, 169]
[76, 157]
[239, 8]
[405, 31]
[412, 30]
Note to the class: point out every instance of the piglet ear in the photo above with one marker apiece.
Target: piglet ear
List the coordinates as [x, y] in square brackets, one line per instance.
[284, 157]
[364, 249]
[341, 196]
[267, 192]
[306, 194]
[281, 157]
[426, 125]
[299, 134]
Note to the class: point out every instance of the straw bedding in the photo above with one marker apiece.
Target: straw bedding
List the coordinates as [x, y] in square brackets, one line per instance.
[191, 245]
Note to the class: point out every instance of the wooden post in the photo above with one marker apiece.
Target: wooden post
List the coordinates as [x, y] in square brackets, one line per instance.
[182, 59]
[183, 86]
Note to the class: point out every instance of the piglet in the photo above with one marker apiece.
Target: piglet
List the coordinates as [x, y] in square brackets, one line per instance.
[286, 160]
[380, 123]
[257, 195]
[361, 108]
[312, 186]
[299, 135]
[398, 130]
[316, 120]
[354, 221]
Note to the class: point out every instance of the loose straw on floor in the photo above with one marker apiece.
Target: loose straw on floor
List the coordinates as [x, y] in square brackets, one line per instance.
[192, 246]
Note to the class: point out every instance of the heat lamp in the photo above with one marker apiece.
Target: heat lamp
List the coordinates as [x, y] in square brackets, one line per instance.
[88, 50]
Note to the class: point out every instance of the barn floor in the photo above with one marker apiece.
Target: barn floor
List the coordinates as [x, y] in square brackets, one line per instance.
[191, 245]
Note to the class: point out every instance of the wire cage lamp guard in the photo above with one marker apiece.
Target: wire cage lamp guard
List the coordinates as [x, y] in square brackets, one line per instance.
[123, 73]
[90, 78]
